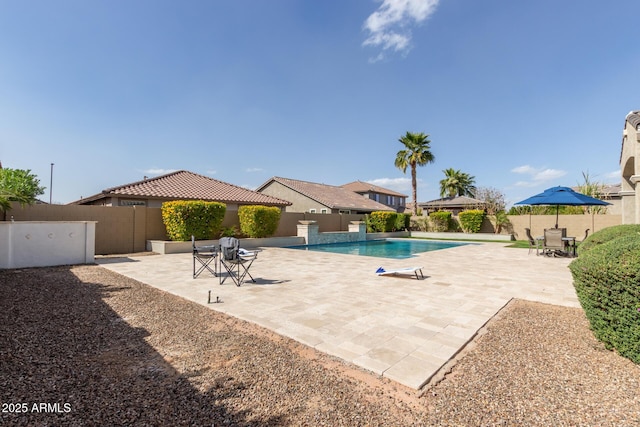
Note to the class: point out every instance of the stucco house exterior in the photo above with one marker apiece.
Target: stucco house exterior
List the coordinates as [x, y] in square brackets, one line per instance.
[319, 198]
[630, 168]
[393, 199]
[180, 185]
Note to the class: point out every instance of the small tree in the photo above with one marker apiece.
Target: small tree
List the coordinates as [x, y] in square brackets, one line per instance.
[18, 185]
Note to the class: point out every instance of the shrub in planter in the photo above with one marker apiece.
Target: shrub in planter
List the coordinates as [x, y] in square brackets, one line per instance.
[258, 221]
[471, 220]
[184, 218]
[440, 220]
[607, 281]
[380, 221]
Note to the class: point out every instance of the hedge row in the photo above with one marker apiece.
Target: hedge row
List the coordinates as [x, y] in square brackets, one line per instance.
[471, 220]
[607, 280]
[258, 221]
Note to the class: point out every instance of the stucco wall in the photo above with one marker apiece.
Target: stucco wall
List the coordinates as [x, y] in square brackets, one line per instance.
[42, 244]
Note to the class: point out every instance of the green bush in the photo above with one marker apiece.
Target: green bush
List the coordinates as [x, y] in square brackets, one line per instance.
[385, 221]
[258, 221]
[440, 220]
[607, 282]
[471, 220]
[184, 218]
[608, 234]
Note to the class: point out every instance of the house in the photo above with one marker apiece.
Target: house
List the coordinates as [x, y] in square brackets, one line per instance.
[629, 166]
[455, 205]
[180, 185]
[319, 198]
[394, 200]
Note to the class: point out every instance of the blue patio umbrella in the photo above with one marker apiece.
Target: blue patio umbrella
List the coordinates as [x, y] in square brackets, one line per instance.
[562, 196]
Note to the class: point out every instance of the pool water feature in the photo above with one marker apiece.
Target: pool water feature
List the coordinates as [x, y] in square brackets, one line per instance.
[386, 248]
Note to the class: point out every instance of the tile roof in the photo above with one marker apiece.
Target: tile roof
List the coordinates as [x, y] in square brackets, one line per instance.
[187, 185]
[453, 201]
[364, 187]
[331, 196]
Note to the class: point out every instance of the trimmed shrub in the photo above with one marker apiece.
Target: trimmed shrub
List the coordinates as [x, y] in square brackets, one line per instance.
[385, 221]
[608, 234]
[607, 281]
[471, 220]
[184, 218]
[440, 220]
[258, 221]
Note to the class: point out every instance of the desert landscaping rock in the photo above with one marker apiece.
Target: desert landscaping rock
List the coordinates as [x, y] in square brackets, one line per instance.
[80, 345]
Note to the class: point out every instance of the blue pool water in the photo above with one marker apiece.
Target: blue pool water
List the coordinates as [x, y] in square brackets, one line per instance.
[388, 248]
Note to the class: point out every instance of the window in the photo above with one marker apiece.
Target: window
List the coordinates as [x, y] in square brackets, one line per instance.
[133, 203]
[344, 211]
[324, 211]
[312, 211]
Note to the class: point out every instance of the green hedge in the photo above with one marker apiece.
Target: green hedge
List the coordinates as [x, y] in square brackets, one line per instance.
[258, 221]
[608, 234]
[471, 220]
[607, 280]
[184, 218]
[384, 221]
[440, 220]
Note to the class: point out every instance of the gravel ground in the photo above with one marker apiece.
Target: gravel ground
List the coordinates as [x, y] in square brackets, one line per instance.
[83, 346]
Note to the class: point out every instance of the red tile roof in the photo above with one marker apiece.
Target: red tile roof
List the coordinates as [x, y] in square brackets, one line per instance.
[185, 185]
[331, 196]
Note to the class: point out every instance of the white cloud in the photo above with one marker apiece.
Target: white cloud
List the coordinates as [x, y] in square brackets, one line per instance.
[614, 175]
[397, 184]
[254, 170]
[158, 171]
[388, 26]
[537, 176]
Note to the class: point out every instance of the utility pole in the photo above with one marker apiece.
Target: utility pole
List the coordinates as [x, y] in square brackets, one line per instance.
[51, 185]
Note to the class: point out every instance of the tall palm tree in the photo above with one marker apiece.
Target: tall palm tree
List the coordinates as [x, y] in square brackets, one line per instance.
[416, 153]
[457, 183]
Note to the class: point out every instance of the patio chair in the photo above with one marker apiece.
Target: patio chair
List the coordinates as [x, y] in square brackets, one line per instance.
[533, 243]
[235, 260]
[204, 256]
[553, 245]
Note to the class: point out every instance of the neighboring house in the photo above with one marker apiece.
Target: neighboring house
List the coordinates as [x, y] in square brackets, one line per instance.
[611, 194]
[630, 168]
[180, 185]
[455, 205]
[393, 199]
[319, 198]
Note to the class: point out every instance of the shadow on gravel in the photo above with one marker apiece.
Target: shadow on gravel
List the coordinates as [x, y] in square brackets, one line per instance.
[66, 358]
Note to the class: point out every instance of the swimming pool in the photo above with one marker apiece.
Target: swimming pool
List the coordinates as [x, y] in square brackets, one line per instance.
[387, 248]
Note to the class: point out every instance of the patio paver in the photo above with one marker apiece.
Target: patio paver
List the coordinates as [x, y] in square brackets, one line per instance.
[401, 328]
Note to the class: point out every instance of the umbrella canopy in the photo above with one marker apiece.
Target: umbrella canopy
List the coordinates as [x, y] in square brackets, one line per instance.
[562, 196]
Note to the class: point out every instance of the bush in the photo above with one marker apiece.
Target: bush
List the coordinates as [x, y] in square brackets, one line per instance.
[606, 278]
[258, 221]
[608, 234]
[184, 218]
[440, 220]
[471, 220]
[384, 221]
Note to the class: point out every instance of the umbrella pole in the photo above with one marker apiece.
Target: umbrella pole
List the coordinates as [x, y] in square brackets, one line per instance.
[557, 210]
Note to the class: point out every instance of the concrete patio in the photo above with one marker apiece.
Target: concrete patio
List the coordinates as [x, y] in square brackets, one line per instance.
[398, 327]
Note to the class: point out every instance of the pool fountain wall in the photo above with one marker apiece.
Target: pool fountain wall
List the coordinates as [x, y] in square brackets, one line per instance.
[309, 230]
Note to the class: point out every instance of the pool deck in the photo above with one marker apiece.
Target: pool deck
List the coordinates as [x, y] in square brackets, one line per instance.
[398, 327]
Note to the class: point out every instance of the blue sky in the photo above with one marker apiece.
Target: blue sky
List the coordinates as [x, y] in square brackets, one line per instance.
[523, 95]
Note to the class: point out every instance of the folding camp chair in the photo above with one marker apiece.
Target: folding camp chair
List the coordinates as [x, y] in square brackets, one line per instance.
[236, 261]
[204, 255]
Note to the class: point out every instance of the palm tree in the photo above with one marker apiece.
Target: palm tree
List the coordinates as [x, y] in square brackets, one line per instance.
[415, 153]
[457, 183]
